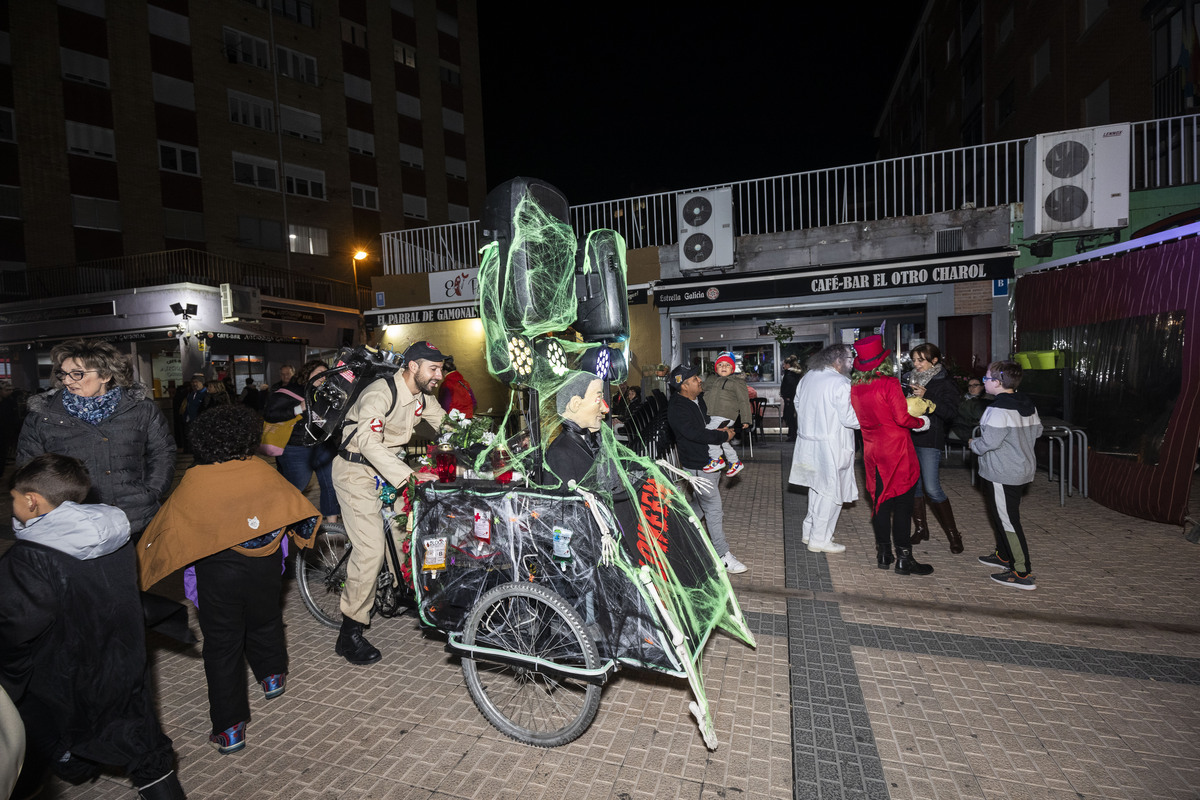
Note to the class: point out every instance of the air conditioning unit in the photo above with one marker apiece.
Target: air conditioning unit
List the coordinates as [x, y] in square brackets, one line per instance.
[1077, 181]
[240, 303]
[705, 229]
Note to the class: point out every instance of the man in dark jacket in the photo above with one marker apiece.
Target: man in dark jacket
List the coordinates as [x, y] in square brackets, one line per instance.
[572, 456]
[688, 416]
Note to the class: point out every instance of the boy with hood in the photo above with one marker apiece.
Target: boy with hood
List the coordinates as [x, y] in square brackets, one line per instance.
[72, 643]
[728, 399]
[1008, 429]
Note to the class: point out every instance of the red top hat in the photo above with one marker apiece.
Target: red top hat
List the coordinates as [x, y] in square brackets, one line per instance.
[869, 353]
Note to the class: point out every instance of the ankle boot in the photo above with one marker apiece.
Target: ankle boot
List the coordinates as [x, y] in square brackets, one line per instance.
[353, 646]
[165, 788]
[883, 552]
[920, 525]
[945, 518]
[907, 565]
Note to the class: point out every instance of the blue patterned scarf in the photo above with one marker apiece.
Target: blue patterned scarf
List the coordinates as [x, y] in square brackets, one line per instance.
[92, 410]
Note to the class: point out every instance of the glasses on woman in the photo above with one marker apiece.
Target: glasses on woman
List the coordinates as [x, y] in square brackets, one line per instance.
[973, 385]
[75, 374]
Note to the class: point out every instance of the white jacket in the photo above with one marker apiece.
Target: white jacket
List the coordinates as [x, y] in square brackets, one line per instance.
[824, 456]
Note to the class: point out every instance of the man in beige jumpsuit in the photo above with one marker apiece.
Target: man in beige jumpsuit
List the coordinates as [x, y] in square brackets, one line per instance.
[376, 430]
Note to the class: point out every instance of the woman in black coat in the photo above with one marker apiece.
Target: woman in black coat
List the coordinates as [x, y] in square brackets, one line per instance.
[98, 414]
[930, 380]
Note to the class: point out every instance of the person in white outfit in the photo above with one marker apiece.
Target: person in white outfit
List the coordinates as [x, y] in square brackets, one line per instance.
[824, 456]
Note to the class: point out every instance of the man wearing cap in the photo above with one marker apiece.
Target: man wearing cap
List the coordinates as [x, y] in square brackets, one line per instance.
[688, 417]
[377, 427]
[823, 459]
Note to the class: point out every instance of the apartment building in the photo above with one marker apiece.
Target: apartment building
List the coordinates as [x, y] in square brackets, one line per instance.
[283, 133]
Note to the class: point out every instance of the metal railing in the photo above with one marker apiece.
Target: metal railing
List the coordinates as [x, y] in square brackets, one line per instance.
[1163, 152]
[188, 266]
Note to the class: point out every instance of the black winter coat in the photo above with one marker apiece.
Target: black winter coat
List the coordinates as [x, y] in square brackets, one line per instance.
[692, 438]
[280, 407]
[130, 455]
[72, 642]
[941, 391]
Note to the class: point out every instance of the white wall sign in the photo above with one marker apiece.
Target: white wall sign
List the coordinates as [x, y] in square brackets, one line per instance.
[454, 286]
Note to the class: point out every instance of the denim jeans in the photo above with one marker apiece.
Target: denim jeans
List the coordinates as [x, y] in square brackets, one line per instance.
[298, 463]
[930, 484]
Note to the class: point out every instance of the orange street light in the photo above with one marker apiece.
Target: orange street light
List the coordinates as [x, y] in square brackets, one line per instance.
[359, 255]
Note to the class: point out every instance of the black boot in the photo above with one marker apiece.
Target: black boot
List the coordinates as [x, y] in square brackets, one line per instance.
[165, 788]
[920, 526]
[353, 646]
[945, 518]
[907, 565]
[883, 553]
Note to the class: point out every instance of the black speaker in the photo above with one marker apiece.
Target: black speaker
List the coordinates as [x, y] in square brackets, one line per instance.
[603, 307]
[525, 301]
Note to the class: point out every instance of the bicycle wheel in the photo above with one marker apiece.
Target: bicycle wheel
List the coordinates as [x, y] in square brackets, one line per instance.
[322, 574]
[529, 705]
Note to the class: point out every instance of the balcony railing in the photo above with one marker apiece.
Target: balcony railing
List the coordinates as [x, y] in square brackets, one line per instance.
[1163, 153]
[187, 266]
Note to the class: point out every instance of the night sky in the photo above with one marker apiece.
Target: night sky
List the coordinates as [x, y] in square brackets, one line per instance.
[609, 103]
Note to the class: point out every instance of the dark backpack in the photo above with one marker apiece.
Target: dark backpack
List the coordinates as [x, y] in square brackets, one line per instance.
[354, 369]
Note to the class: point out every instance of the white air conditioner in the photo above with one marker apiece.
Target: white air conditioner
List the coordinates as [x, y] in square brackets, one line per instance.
[705, 229]
[240, 303]
[1077, 181]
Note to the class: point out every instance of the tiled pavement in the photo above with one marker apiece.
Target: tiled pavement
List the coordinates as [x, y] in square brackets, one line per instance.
[864, 683]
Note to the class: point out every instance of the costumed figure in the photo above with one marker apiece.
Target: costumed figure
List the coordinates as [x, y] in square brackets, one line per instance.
[889, 460]
[823, 459]
[229, 519]
[455, 393]
[575, 454]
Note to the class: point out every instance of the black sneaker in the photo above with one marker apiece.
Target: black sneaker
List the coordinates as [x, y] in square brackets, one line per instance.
[1015, 580]
[993, 560]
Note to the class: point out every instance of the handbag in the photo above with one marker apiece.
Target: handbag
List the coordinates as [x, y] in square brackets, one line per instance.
[275, 435]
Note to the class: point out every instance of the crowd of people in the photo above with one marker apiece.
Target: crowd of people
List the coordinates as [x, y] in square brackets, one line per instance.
[96, 461]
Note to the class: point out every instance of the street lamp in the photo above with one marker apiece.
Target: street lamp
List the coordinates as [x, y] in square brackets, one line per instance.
[359, 255]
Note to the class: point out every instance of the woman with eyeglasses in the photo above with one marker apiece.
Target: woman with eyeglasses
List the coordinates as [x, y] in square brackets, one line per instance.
[97, 413]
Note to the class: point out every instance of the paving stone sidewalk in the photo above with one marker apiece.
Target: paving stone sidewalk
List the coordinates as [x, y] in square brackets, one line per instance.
[864, 683]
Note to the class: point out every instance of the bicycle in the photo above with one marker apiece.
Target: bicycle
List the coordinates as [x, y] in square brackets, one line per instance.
[321, 573]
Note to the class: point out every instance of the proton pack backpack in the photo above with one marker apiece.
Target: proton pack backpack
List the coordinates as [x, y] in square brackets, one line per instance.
[353, 369]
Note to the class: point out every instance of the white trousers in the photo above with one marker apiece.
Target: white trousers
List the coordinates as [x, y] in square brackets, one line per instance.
[821, 519]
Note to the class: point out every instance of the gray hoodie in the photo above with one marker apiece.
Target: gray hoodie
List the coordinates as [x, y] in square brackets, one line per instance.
[1008, 429]
[80, 531]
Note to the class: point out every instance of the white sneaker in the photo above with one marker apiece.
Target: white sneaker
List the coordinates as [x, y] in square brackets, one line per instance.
[732, 564]
[804, 538]
[828, 547]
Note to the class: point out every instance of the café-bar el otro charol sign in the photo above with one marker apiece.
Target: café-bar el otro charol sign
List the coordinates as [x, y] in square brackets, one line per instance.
[829, 279]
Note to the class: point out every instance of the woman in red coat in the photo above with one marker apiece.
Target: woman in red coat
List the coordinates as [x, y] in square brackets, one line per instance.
[890, 461]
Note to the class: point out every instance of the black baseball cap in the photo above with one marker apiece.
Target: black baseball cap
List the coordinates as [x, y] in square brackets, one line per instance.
[681, 374]
[423, 350]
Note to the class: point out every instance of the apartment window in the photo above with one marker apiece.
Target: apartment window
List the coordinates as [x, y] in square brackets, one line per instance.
[450, 73]
[412, 156]
[90, 140]
[10, 202]
[403, 6]
[188, 225]
[1005, 28]
[8, 126]
[458, 213]
[357, 88]
[92, 212]
[263, 234]
[1040, 65]
[5, 48]
[242, 48]
[296, 65]
[302, 124]
[1006, 103]
[307, 239]
[173, 91]
[416, 206]
[246, 109]
[447, 23]
[456, 168]
[407, 105]
[404, 54]
[169, 25]
[178, 158]
[360, 142]
[1095, 106]
[82, 67]
[296, 10]
[354, 34]
[452, 120]
[1092, 9]
[255, 171]
[362, 196]
[93, 7]
[304, 182]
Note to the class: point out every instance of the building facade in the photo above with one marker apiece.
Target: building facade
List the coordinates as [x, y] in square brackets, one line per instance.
[282, 133]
